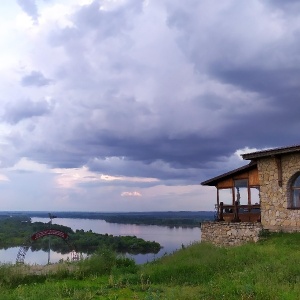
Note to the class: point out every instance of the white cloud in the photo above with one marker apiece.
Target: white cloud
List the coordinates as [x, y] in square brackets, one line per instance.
[4, 178]
[131, 194]
[25, 164]
[246, 150]
[126, 178]
[73, 177]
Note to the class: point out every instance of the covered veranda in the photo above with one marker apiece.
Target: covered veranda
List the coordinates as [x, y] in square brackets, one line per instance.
[237, 194]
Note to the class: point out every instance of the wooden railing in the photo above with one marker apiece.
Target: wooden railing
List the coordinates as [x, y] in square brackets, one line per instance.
[239, 213]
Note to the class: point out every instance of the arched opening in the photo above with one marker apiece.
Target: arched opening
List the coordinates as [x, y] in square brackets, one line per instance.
[294, 192]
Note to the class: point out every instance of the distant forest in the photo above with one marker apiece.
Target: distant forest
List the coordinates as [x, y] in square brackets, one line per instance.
[169, 218]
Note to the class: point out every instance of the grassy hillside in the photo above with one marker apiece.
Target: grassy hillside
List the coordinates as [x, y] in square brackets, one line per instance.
[269, 269]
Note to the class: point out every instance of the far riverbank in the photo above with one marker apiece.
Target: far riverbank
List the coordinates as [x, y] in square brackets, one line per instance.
[167, 218]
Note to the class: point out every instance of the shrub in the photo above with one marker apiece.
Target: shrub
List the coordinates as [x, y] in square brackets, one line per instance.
[99, 263]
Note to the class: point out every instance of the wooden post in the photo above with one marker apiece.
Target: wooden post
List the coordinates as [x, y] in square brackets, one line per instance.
[249, 194]
[249, 202]
[221, 212]
[236, 212]
[218, 204]
[233, 195]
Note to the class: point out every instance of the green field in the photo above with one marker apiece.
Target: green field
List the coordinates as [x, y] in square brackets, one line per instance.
[269, 269]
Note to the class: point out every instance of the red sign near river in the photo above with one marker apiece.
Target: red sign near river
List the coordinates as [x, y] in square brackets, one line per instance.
[47, 232]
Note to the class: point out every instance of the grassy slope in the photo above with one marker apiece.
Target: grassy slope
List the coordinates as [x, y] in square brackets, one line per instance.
[267, 270]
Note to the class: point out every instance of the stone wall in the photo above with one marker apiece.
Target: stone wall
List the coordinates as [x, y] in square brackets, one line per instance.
[230, 234]
[275, 212]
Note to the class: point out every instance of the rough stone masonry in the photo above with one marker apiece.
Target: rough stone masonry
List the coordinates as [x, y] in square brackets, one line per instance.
[276, 214]
[230, 234]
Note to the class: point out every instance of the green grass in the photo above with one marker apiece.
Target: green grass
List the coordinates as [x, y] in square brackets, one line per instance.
[269, 269]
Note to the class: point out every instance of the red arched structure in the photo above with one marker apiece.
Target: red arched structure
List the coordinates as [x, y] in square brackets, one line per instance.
[47, 232]
[23, 249]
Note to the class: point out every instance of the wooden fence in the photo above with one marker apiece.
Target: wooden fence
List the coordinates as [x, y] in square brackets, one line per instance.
[238, 213]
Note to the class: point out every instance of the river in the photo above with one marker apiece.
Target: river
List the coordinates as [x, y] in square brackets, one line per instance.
[171, 239]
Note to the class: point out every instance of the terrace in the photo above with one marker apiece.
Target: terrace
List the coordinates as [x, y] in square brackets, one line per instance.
[237, 195]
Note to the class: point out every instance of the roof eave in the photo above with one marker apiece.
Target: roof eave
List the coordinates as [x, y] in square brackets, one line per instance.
[213, 181]
[272, 152]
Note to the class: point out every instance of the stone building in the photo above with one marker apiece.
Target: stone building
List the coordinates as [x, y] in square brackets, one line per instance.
[279, 181]
[266, 192]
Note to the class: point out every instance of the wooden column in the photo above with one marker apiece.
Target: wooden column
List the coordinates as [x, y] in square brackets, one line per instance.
[236, 212]
[218, 203]
[249, 193]
[221, 212]
[233, 194]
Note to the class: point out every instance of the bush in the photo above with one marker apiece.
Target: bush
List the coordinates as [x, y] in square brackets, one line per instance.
[126, 265]
[99, 263]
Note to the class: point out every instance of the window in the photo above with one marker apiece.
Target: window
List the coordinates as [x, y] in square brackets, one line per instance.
[241, 191]
[295, 201]
[254, 191]
[225, 196]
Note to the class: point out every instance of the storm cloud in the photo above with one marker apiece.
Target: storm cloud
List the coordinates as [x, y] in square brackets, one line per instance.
[168, 90]
[25, 109]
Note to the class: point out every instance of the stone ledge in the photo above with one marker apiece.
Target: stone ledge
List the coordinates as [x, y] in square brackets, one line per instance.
[230, 234]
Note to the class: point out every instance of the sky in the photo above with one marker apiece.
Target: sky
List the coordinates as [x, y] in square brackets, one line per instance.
[127, 105]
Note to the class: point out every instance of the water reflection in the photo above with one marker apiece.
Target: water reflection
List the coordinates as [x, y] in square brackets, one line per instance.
[171, 239]
[39, 257]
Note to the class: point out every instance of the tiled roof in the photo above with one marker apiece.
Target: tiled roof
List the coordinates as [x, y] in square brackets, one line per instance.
[271, 152]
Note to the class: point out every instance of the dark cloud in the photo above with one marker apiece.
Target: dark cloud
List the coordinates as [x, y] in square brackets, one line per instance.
[102, 24]
[107, 22]
[166, 89]
[288, 6]
[35, 78]
[15, 112]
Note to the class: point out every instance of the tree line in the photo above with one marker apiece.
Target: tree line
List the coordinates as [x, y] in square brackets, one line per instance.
[168, 218]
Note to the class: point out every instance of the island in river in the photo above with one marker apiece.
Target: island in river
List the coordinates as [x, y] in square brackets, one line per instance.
[16, 231]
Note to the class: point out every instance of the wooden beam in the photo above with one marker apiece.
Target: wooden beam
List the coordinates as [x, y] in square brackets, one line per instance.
[218, 204]
[279, 169]
[249, 194]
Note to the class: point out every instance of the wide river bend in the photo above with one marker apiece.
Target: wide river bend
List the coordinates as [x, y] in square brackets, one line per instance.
[171, 239]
